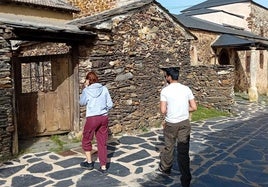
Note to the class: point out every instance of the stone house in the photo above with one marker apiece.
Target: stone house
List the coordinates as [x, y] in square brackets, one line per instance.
[231, 36]
[43, 65]
[36, 85]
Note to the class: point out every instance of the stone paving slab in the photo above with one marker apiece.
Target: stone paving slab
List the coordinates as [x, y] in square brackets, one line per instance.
[225, 152]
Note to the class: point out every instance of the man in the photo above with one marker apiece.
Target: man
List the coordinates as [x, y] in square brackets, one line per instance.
[176, 101]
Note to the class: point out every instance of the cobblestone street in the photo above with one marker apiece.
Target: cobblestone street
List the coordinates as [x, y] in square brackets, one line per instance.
[225, 152]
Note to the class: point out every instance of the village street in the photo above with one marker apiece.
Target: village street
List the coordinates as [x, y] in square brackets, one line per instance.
[225, 152]
[48, 47]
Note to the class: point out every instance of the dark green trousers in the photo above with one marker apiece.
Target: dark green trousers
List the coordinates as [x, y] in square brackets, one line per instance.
[177, 133]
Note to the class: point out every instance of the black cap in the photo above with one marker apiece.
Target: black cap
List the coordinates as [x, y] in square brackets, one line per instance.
[171, 68]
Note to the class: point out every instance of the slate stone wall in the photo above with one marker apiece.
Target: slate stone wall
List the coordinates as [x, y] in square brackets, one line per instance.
[93, 7]
[6, 95]
[201, 51]
[258, 22]
[212, 85]
[128, 58]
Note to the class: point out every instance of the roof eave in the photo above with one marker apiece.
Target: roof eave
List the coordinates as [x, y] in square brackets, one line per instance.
[71, 10]
[36, 32]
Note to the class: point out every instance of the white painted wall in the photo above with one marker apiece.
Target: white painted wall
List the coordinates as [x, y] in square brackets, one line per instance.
[241, 9]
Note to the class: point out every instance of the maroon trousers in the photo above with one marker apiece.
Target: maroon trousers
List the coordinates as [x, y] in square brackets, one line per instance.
[98, 126]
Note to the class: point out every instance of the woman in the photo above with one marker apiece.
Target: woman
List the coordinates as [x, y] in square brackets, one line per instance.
[98, 102]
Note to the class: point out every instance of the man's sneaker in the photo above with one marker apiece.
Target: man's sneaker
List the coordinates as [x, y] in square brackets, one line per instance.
[87, 165]
[161, 171]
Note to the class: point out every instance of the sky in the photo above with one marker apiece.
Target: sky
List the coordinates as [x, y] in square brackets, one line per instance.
[175, 6]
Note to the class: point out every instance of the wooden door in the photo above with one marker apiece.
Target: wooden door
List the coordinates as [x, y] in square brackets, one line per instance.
[44, 102]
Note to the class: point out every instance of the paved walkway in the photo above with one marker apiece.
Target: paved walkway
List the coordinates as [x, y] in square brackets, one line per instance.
[225, 152]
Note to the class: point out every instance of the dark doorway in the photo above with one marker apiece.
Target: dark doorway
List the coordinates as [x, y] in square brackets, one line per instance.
[224, 58]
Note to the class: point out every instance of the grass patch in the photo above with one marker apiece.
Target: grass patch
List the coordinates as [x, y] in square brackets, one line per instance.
[59, 143]
[203, 113]
[77, 140]
[144, 129]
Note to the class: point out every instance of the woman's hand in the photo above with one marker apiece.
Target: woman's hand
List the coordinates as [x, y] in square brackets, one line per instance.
[86, 83]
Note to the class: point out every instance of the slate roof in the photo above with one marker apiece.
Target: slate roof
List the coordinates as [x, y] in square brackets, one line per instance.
[34, 29]
[229, 40]
[208, 11]
[57, 4]
[212, 3]
[91, 21]
[201, 11]
[226, 40]
[199, 24]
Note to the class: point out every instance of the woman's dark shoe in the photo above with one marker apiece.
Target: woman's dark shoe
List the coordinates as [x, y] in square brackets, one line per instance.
[86, 165]
[103, 171]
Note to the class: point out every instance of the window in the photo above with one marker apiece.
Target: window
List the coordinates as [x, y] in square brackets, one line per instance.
[248, 59]
[261, 59]
[36, 76]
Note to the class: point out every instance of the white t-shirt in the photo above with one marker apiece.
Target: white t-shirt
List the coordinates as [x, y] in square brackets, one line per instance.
[177, 97]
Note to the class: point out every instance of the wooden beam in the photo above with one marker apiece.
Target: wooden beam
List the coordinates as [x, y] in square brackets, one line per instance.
[51, 36]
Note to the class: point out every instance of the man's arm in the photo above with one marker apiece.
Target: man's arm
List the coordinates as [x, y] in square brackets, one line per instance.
[163, 107]
[192, 105]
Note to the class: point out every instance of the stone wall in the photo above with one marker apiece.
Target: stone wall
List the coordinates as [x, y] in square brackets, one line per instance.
[6, 96]
[128, 58]
[259, 26]
[45, 48]
[201, 51]
[202, 54]
[211, 85]
[96, 6]
[258, 21]
[91, 7]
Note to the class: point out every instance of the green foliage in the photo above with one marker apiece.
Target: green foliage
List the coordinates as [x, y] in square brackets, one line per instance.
[144, 129]
[59, 143]
[77, 140]
[159, 124]
[203, 113]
